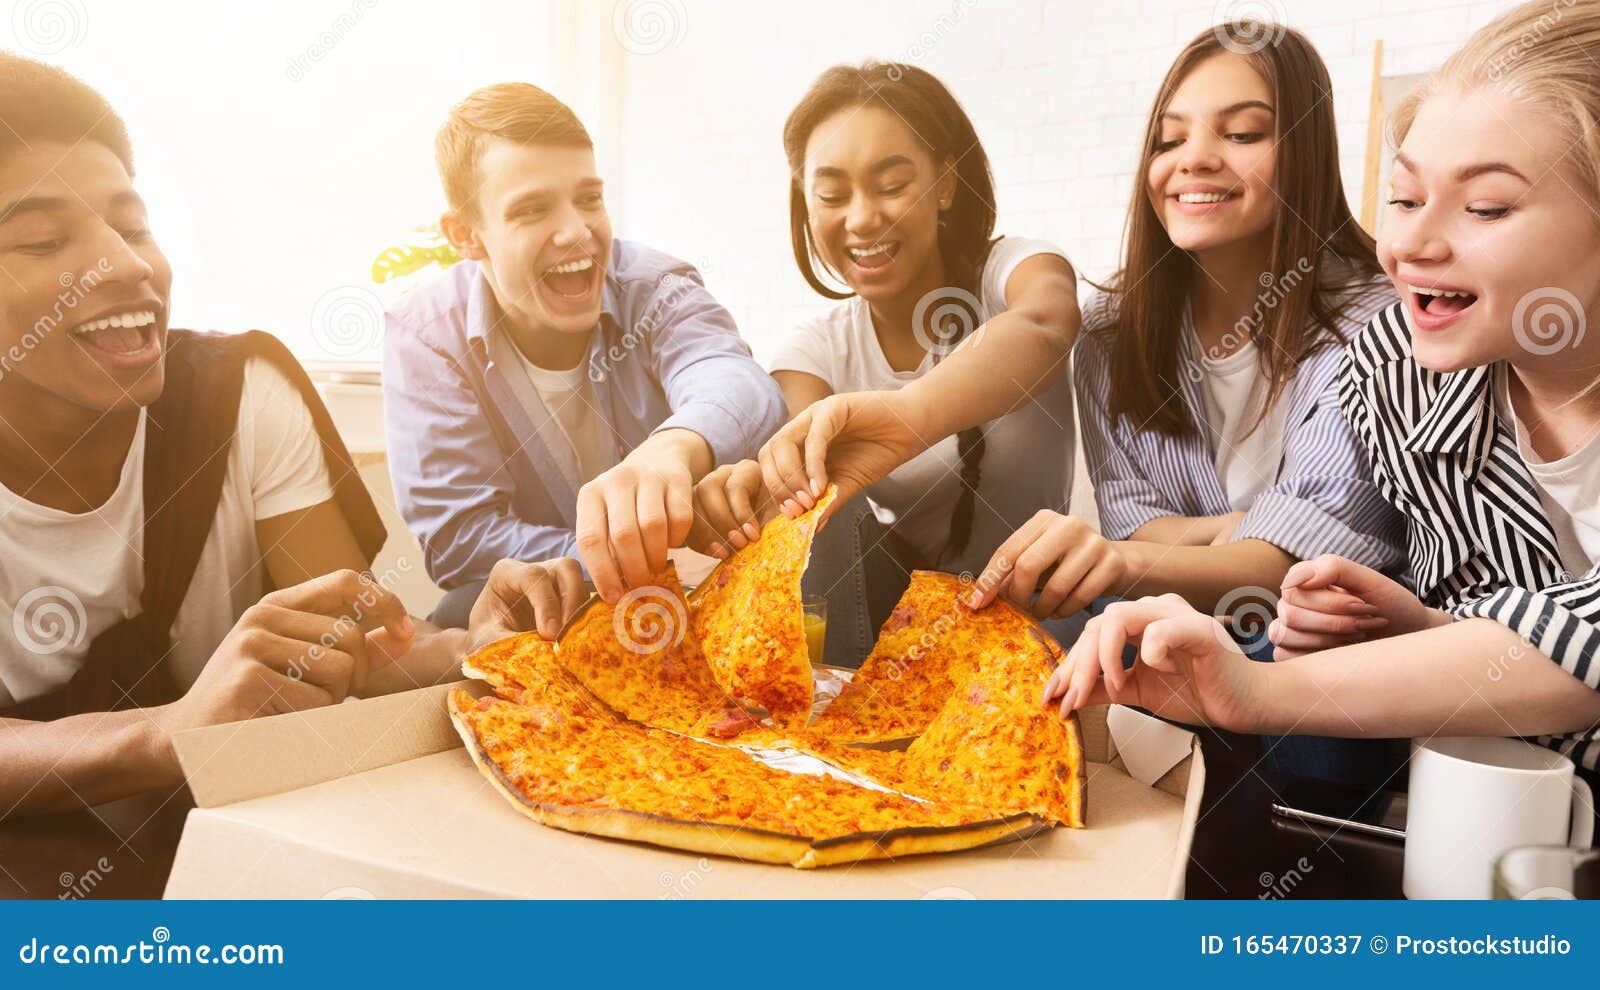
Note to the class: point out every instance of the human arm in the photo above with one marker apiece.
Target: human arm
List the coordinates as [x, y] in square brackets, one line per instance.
[1475, 677]
[854, 439]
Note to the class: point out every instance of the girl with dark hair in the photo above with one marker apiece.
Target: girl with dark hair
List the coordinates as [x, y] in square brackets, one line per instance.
[891, 210]
[1205, 375]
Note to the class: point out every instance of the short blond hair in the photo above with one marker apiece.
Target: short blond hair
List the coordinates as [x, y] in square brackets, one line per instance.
[518, 112]
[1544, 53]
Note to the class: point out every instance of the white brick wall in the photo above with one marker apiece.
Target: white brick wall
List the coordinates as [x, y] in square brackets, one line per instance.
[1058, 90]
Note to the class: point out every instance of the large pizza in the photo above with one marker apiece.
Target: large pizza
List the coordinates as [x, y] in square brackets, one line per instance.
[640, 721]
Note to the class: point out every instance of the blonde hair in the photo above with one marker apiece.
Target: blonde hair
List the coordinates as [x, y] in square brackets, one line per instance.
[518, 112]
[1545, 53]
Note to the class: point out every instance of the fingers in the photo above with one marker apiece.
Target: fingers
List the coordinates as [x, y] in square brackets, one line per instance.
[680, 513]
[290, 695]
[570, 589]
[1075, 565]
[1105, 573]
[714, 518]
[533, 596]
[1110, 647]
[1333, 601]
[1054, 542]
[783, 468]
[744, 487]
[819, 439]
[341, 632]
[352, 594]
[1331, 569]
[653, 527]
[333, 670]
[1310, 620]
[1059, 679]
[594, 543]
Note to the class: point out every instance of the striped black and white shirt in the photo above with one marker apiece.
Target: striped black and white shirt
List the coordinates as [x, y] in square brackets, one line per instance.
[1480, 543]
[1321, 498]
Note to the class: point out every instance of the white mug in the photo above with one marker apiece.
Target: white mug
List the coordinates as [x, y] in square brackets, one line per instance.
[1473, 798]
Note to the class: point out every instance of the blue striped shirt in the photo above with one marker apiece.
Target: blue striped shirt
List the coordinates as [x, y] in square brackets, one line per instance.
[1322, 498]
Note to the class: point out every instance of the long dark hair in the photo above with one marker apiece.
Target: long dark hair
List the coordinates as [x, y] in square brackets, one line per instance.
[1153, 285]
[966, 229]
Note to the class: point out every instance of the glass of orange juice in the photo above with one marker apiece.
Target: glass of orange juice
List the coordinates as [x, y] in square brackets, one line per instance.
[815, 608]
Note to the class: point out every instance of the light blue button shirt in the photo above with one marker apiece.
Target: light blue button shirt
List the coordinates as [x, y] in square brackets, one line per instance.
[474, 480]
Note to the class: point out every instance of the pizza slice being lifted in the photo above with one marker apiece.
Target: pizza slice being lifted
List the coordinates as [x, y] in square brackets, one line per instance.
[641, 658]
[748, 616]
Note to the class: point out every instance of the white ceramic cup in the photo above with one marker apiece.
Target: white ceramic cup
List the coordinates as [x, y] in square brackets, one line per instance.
[1473, 798]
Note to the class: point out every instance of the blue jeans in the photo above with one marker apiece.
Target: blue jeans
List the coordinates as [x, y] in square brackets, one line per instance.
[455, 607]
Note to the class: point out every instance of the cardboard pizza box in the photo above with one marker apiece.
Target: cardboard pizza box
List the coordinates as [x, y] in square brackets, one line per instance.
[378, 798]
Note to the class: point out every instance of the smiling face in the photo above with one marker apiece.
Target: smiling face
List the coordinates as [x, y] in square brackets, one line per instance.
[83, 309]
[873, 197]
[542, 233]
[1487, 211]
[1210, 178]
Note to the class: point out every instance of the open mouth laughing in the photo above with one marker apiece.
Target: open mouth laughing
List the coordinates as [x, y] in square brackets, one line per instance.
[127, 338]
[1434, 307]
[873, 259]
[572, 284]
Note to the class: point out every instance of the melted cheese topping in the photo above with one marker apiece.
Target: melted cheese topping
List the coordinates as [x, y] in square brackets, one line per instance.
[749, 620]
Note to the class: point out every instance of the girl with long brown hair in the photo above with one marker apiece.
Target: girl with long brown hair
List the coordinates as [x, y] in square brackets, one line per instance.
[1205, 370]
[1475, 398]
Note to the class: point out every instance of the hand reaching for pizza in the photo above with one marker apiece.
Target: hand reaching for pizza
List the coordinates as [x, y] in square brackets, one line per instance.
[526, 597]
[1188, 668]
[630, 516]
[850, 440]
[1330, 601]
[730, 505]
[1061, 558]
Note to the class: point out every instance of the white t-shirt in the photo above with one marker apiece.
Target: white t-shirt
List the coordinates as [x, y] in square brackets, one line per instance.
[1569, 488]
[1247, 454]
[1027, 462]
[574, 433]
[67, 577]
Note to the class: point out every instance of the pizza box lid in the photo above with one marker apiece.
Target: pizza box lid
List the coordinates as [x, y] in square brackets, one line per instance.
[378, 798]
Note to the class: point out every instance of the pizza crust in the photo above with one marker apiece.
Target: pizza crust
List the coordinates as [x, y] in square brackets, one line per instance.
[753, 845]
